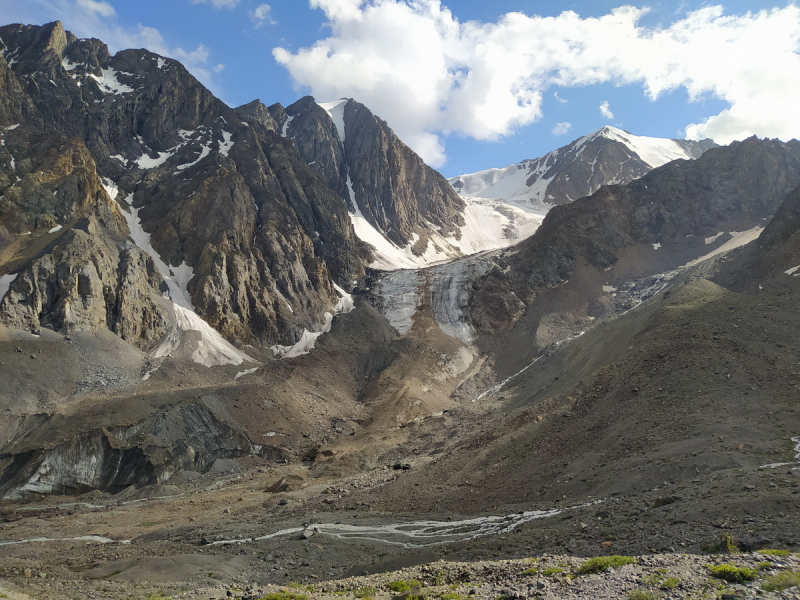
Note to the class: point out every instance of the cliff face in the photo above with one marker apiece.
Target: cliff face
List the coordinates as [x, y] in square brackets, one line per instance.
[222, 210]
[378, 176]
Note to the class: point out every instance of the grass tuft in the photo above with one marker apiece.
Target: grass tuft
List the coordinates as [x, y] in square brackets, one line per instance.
[732, 573]
[601, 563]
[782, 581]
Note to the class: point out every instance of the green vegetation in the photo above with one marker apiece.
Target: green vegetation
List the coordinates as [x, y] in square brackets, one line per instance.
[732, 573]
[365, 592]
[764, 565]
[641, 594]
[531, 571]
[284, 595]
[601, 563]
[453, 596]
[728, 544]
[299, 586]
[670, 583]
[400, 585]
[552, 571]
[774, 552]
[781, 581]
[659, 579]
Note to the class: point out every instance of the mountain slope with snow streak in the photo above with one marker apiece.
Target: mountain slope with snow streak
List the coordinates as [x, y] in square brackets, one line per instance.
[607, 156]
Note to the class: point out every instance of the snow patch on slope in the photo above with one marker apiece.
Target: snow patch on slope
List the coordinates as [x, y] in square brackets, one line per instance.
[5, 283]
[308, 340]
[336, 110]
[653, 151]
[109, 83]
[738, 238]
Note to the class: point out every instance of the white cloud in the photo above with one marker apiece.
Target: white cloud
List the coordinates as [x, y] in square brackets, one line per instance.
[605, 111]
[559, 98]
[101, 8]
[261, 15]
[219, 68]
[561, 128]
[218, 3]
[429, 75]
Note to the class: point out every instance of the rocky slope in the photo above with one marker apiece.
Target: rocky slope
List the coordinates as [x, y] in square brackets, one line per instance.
[132, 145]
[585, 251]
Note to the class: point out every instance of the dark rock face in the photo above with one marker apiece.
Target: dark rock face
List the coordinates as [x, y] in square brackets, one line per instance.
[392, 187]
[580, 168]
[217, 189]
[190, 437]
[733, 187]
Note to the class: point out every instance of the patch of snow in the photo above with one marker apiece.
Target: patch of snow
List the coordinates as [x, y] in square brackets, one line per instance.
[609, 288]
[306, 342]
[5, 283]
[285, 129]
[160, 63]
[653, 151]
[110, 187]
[203, 153]
[713, 238]
[246, 372]
[212, 349]
[738, 238]
[12, 127]
[336, 111]
[145, 162]
[109, 83]
[120, 158]
[226, 144]
[792, 271]
[345, 303]
[69, 65]
[656, 246]
[54, 229]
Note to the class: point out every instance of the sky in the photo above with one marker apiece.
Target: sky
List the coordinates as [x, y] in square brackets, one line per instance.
[475, 84]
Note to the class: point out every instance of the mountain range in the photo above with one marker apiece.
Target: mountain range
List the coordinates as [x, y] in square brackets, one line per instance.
[284, 312]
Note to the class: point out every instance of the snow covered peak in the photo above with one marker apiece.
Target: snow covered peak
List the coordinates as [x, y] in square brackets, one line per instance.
[655, 152]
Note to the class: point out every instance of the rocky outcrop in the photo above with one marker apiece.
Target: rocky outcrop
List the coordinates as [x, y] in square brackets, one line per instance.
[214, 191]
[189, 437]
[67, 240]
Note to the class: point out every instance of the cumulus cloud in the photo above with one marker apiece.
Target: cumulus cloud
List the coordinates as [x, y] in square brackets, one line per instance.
[561, 128]
[261, 15]
[605, 111]
[430, 75]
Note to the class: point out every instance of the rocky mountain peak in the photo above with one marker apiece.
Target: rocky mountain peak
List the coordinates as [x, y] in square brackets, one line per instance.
[606, 156]
[256, 111]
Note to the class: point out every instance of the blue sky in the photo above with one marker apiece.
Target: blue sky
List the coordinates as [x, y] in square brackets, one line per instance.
[473, 84]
